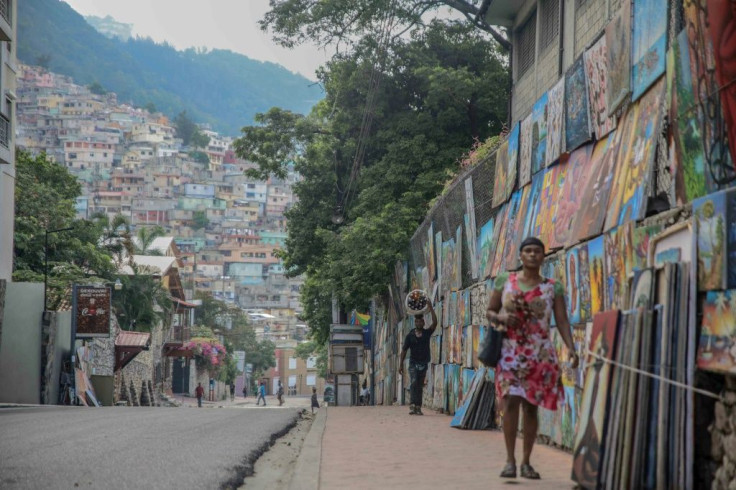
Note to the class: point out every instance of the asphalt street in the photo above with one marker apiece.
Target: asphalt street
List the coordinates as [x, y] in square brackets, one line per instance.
[134, 447]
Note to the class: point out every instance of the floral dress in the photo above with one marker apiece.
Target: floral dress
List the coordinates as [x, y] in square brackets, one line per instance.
[528, 366]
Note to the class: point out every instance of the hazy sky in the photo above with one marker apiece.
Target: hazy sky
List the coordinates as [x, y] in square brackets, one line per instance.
[225, 24]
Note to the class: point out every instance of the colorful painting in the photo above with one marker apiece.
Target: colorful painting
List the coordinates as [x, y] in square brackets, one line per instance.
[461, 308]
[512, 163]
[539, 134]
[640, 241]
[618, 51]
[717, 348]
[596, 261]
[711, 215]
[591, 216]
[584, 284]
[458, 342]
[577, 115]
[570, 197]
[648, 44]
[670, 255]
[704, 62]
[588, 450]
[476, 342]
[554, 180]
[452, 315]
[500, 175]
[439, 387]
[525, 151]
[616, 243]
[485, 249]
[500, 242]
[430, 261]
[510, 253]
[516, 236]
[618, 183]
[533, 206]
[596, 71]
[448, 259]
[457, 271]
[470, 227]
[722, 24]
[468, 313]
[573, 285]
[438, 258]
[555, 118]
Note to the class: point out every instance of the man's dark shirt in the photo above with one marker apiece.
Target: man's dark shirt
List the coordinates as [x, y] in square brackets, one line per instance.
[419, 346]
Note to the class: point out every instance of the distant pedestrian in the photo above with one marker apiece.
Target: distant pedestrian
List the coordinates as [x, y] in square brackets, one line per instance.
[261, 393]
[365, 396]
[315, 403]
[245, 391]
[212, 390]
[232, 392]
[199, 392]
[280, 394]
[418, 342]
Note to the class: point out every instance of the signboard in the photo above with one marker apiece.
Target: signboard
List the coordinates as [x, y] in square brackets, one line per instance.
[239, 356]
[91, 311]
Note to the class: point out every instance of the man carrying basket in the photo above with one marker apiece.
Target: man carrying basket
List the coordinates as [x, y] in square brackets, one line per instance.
[418, 342]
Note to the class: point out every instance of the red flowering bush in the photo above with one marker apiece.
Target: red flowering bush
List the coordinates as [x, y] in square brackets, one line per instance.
[208, 352]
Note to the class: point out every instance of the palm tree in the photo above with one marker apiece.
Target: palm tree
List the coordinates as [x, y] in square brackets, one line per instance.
[145, 237]
[115, 237]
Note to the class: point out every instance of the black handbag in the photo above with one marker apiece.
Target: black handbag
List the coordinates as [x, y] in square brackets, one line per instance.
[489, 351]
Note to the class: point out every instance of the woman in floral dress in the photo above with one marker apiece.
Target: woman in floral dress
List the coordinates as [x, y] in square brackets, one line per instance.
[521, 305]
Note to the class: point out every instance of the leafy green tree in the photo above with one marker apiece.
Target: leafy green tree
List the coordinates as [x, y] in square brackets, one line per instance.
[96, 88]
[151, 108]
[365, 188]
[142, 303]
[200, 220]
[185, 127]
[305, 350]
[199, 157]
[145, 236]
[199, 139]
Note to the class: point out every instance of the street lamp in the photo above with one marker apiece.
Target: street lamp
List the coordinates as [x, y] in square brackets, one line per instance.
[46, 262]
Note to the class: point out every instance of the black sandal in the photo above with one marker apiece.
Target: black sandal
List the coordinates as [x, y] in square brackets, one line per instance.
[509, 471]
[528, 472]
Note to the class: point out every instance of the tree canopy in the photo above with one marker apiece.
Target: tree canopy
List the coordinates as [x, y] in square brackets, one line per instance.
[365, 188]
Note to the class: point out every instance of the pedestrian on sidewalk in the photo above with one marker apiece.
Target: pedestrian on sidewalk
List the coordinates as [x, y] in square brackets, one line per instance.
[199, 392]
[315, 403]
[418, 342]
[232, 391]
[521, 305]
[261, 393]
[280, 394]
[245, 391]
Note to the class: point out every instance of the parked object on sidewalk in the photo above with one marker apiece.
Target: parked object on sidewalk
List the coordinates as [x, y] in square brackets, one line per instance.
[478, 407]
[199, 393]
[418, 342]
[315, 403]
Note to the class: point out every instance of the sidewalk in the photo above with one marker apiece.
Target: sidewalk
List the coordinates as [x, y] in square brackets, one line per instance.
[385, 447]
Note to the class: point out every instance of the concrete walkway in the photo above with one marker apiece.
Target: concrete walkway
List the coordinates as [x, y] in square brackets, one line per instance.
[385, 447]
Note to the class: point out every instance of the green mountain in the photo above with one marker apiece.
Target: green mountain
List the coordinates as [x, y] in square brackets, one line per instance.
[219, 87]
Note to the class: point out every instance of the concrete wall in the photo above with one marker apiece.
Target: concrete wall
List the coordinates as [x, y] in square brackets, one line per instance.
[20, 351]
[62, 350]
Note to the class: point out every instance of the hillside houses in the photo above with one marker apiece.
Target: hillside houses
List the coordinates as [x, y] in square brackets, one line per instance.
[227, 227]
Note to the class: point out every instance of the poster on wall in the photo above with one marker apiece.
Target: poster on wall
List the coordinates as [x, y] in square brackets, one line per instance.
[555, 118]
[715, 350]
[618, 51]
[570, 198]
[525, 151]
[499, 177]
[596, 261]
[716, 220]
[577, 116]
[471, 233]
[539, 134]
[596, 71]
[648, 44]
[91, 311]
[485, 249]
[512, 160]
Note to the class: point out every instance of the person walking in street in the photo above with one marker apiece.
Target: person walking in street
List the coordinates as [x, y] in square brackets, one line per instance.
[280, 394]
[521, 305]
[199, 393]
[315, 403]
[232, 391]
[261, 393]
[418, 342]
[245, 391]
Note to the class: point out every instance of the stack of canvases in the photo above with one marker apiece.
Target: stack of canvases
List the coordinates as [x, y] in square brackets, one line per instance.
[477, 409]
[636, 428]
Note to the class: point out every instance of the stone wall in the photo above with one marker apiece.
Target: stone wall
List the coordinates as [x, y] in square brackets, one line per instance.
[102, 362]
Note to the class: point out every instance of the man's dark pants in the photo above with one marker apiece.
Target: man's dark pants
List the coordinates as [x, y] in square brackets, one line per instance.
[417, 373]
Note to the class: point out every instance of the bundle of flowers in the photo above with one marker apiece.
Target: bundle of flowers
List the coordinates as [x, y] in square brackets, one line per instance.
[208, 350]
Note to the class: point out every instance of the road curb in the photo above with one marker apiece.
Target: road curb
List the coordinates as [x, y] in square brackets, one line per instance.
[306, 469]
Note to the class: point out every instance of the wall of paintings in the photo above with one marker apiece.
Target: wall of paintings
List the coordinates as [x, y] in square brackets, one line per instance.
[582, 171]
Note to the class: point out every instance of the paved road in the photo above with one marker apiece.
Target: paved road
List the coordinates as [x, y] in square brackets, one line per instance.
[136, 447]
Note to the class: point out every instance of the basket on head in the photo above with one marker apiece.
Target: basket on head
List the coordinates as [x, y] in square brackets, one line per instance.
[416, 302]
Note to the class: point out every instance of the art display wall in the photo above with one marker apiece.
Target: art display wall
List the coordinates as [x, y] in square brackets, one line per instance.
[624, 168]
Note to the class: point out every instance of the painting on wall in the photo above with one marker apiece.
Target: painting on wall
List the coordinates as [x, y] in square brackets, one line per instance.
[439, 387]
[500, 242]
[532, 208]
[470, 227]
[721, 21]
[555, 119]
[584, 284]
[468, 311]
[431, 263]
[704, 60]
[596, 71]
[476, 342]
[539, 134]
[571, 194]
[589, 220]
[516, 236]
[640, 242]
[554, 181]
[618, 55]
[714, 224]
[573, 285]
[618, 181]
[457, 271]
[716, 350]
[616, 243]
[596, 261]
[485, 249]
[438, 261]
[525, 151]
[499, 182]
[512, 160]
[577, 115]
[588, 449]
[648, 44]
[461, 308]
[512, 216]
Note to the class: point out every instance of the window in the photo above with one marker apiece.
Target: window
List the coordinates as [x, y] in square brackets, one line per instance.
[292, 363]
[311, 362]
[351, 359]
[311, 379]
[527, 37]
[292, 381]
[550, 20]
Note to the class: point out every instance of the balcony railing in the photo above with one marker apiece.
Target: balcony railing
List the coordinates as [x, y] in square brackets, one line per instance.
[4, 126]
[6, 12]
